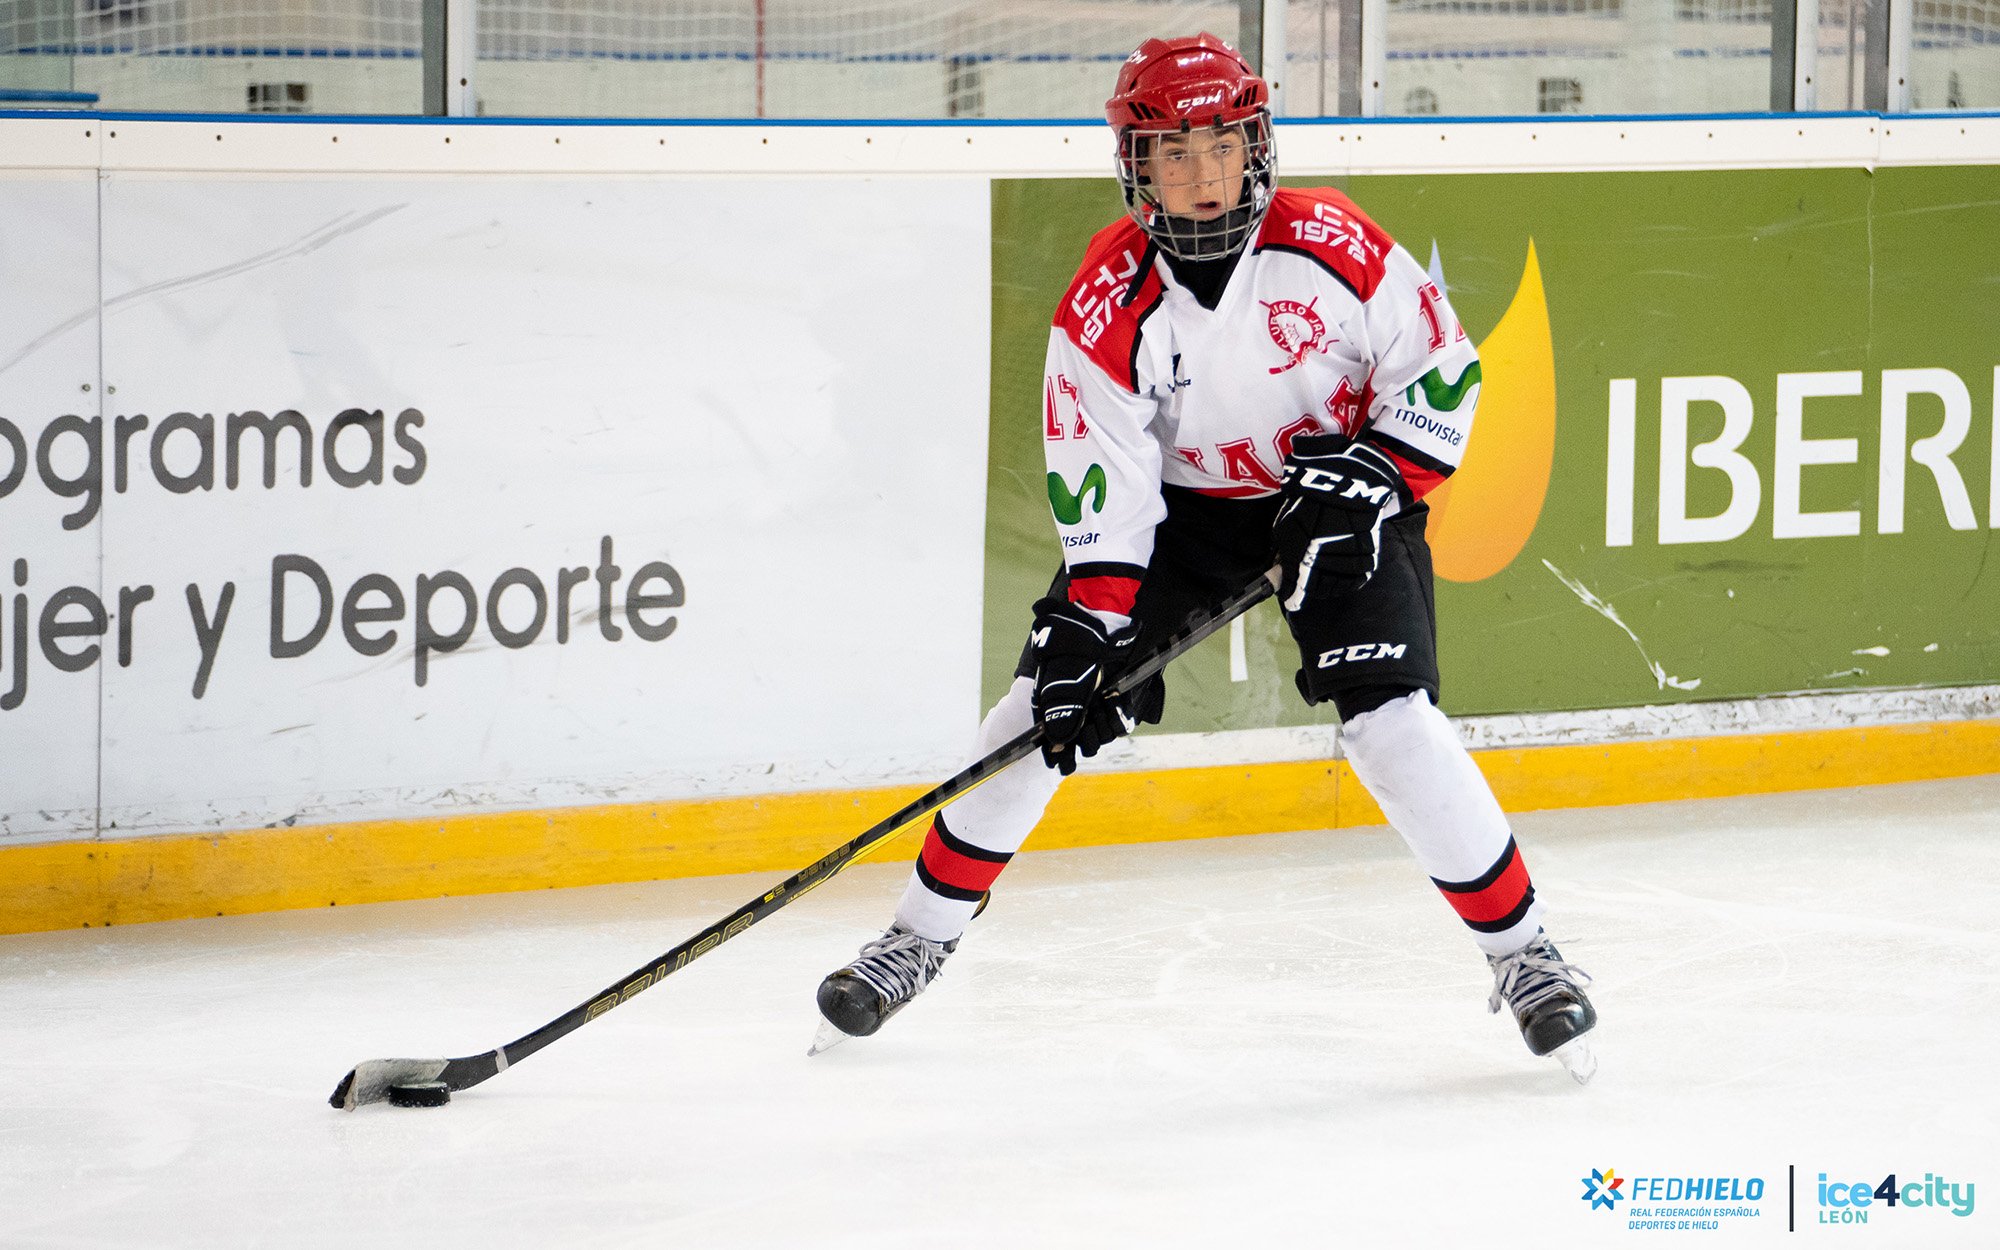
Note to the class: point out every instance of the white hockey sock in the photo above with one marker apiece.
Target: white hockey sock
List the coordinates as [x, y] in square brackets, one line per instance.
[1414, 765]
[974, 837]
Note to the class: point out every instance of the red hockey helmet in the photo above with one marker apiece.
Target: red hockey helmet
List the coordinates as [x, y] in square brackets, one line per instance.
[1177, 86]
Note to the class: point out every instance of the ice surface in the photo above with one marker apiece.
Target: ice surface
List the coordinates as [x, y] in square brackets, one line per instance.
[1212, 1043]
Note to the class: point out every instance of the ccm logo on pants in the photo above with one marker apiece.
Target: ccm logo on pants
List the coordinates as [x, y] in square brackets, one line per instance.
[1362, 651]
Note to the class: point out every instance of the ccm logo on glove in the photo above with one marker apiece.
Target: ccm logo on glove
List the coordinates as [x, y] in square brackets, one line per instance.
[1328, 533]
[1312, 478]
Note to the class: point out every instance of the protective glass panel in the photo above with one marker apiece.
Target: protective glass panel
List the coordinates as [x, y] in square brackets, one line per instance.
[1955, 54]
[819, 58]
[1841, 66]
[36, 38]
[1513, 57]
[218, 56]
[1311, 83]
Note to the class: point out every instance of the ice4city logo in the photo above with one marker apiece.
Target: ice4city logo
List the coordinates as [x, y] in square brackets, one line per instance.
[1845, 1202]
[1600, 1189]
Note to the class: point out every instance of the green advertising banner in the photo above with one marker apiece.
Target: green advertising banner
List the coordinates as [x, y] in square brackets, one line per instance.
[1737, 436]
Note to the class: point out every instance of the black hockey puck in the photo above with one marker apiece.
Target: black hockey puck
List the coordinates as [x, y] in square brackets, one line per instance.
[420, 1094]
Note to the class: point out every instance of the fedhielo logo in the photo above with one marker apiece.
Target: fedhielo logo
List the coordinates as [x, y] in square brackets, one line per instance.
[1600, 1189]
[1664, 1202]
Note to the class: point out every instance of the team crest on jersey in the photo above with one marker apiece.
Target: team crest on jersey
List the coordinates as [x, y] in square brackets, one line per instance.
[1296, 329]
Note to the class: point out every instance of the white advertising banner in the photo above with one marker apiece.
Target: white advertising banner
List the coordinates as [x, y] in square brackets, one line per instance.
[49, 396]
[416, 495]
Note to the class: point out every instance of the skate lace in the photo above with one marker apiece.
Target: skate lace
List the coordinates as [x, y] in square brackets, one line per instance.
[899, 963]
[1531, 976]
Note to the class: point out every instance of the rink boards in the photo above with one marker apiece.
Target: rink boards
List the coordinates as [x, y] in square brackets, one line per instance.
[389, 510]
[133, 880]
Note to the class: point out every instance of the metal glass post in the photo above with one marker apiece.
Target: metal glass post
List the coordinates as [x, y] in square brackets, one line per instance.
[1350, 59]
[1805, 57]
[1784, 56]
[1875, 77]
[1250, 33]
[451, 47]
[1372, 33]
[1273, 55]
[1902, 35]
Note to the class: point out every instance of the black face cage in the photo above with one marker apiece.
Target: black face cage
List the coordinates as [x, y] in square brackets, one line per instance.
[1184, 238]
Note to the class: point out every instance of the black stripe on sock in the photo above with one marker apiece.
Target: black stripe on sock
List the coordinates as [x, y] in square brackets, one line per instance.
[1507, 921]
[1484, 879]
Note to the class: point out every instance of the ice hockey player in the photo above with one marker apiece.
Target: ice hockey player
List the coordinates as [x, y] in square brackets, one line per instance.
[1240, 375]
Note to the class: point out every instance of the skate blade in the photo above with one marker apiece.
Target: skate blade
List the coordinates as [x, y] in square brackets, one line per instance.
[1577, 1058]
[825, 1038]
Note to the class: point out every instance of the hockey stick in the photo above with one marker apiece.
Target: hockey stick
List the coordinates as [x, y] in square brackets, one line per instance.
[371, 1081]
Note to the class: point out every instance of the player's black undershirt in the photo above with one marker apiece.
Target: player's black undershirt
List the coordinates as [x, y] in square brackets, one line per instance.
[1204, 279]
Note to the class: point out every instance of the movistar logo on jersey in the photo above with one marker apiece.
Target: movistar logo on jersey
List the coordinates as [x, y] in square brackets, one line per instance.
[1068, 505]
[1444, 396]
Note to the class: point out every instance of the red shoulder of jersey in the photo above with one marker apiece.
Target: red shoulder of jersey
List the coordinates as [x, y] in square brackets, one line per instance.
[1114, 291]
[1324, 225]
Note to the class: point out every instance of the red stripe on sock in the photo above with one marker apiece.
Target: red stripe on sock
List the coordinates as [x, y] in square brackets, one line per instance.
[958, 871]
[1496, 900]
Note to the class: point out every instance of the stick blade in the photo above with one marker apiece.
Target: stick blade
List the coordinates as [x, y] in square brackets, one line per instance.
[370, 1081]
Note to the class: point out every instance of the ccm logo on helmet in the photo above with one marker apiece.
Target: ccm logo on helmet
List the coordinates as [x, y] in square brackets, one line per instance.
[1362, 651]
[1213, 97]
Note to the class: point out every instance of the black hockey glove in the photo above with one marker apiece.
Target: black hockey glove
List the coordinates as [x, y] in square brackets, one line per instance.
[1076, 659]
[1328, 533]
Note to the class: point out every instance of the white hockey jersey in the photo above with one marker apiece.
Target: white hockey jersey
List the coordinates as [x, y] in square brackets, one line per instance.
[1326, 325]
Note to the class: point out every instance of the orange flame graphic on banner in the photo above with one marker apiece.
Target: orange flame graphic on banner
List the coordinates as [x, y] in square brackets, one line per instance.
[1482, 515]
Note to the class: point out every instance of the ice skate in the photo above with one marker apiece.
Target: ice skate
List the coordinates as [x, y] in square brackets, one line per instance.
[1547, 998]
[888, 973]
